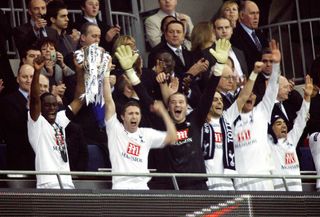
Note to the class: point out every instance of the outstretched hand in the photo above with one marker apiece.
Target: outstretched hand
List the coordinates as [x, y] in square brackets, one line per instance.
[221, 51]
[276, 54]
[308, 86]
[126, 57]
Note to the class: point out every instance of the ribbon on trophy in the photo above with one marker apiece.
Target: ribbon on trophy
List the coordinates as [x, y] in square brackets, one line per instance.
[95, 62]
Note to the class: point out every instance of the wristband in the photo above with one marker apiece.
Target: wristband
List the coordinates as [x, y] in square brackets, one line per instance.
[253, 76]
[217, 69]
[132, 75]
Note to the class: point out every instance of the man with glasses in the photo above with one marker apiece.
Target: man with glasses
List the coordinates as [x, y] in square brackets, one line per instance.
[226, 85]
[46, 130]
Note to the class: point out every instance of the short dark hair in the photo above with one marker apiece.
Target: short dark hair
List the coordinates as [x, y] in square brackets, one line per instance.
[178, 93]
[24, 52]
[130, 103]
[220, 18]
[266, 50]
[44, 95]
[84, 28]
[53, 9]
[173, 22]
[45, 41]
[162, 27]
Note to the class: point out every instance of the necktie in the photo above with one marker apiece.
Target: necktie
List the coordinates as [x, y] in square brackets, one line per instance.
[256, 40]
[230, 97]
[180, 55]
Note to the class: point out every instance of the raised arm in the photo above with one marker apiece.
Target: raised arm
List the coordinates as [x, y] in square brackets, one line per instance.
[247, 89]
[302, 115]
[110, 107]
[77, 103]
[273, 84]
[160, 110]
[35, 103]
[220, 53]
[126, 59]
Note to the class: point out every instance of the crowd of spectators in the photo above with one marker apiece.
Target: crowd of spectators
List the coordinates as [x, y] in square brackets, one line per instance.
[211, 99]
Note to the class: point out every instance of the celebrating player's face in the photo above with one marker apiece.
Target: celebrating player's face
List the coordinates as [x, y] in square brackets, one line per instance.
[49, 108]
[178, 108]
[217, 105]
[279, 128]
[248, 106]
[131, 118]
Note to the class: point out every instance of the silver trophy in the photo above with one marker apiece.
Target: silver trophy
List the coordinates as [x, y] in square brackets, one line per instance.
[95, 62]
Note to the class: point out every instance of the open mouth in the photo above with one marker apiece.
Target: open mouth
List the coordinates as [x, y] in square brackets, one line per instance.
[133, 123]
[177, 112]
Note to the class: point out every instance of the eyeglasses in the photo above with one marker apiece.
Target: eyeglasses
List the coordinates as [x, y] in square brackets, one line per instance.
[60, 142]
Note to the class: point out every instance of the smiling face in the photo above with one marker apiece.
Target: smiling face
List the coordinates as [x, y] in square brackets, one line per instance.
[49, 108]
[280, 128]
[24, 77]
[37, 8]
[131, 118]
[178, 107]
[217, 106]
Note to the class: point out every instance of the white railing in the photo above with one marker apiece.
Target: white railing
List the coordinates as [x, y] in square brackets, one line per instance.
[173, 176]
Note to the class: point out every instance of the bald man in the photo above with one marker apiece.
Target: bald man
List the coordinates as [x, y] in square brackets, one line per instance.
[35, 28]
[288, 102]
[14, 108]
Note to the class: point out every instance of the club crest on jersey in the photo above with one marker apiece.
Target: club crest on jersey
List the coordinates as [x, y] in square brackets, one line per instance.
[182, 134]
[289, 158]
[133, 149]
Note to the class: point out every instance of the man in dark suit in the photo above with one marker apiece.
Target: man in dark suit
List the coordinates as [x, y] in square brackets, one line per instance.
[246, 36]
[288, 102]
[174, 37]
[14, 108]
[35, 29]
[223, 29]
[90, 10]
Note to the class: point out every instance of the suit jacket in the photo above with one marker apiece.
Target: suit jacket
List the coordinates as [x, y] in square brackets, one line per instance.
[153, 27]
[20, 155]
[242, 60]
[242, 40]
[180, 69]
[24, 36]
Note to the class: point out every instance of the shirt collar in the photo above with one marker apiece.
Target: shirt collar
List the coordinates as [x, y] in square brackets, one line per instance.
[90, 19]
[247, 29]
[24, 93]
[174, 48]
[164, 14]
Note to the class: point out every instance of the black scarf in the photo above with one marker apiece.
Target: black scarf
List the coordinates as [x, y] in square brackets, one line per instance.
[208, 143]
